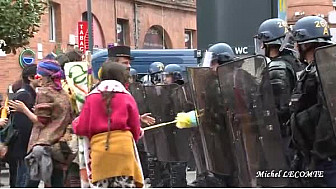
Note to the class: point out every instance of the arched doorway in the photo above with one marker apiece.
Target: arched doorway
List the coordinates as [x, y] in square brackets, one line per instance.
[157, 38]
[98, 35]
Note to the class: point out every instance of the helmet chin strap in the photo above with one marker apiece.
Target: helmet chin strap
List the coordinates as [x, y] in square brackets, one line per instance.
[303, 49]
[268, 52]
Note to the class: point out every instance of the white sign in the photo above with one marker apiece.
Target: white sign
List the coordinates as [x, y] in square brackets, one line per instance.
[72, 39]
[119, 28]
[186, 37]
[333, 34]
[332, 17]
[241, 50]
[40, 55]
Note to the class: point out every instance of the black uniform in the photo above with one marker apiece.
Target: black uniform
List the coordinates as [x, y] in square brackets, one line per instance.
[313, 135]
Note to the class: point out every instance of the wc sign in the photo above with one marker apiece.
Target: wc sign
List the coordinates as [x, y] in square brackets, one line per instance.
[241, 50]
[83, 36]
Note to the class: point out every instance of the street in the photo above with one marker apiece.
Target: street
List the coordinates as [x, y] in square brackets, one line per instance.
[4, 178]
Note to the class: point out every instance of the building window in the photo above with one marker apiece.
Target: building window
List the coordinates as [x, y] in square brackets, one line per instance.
[188, 39]
[122, 30]
[155, 38]
[52, 24]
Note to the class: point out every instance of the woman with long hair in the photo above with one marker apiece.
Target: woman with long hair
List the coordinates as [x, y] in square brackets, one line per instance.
[110, 119]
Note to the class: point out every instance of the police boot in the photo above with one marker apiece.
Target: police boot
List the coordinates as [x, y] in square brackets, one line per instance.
[144, 163]
[178, 175]
[153, 172]
[200, 181]
[214, 181]
[164, 175]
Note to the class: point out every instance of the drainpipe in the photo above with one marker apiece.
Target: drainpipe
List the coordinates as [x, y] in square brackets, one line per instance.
[116, 21]
[136, 25]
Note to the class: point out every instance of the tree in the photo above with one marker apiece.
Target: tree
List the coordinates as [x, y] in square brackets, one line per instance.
[19, 21]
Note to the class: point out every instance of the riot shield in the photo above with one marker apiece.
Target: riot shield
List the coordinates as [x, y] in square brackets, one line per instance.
[138, 92]
[169, 143]
[184, 101]
[326, 66]
[252, 118]
[217, 143]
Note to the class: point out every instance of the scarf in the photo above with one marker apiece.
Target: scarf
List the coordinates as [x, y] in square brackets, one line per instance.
[110, 86]
[51, 68]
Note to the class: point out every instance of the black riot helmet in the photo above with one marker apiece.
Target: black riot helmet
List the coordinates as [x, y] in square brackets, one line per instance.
[221, 52]
[133, 75]
[311, 29]
[133, 72]
[156, 67]
[155, 71]
[272, 31]
[174, 71]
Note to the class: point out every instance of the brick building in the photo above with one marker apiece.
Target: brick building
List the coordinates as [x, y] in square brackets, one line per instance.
[137, 23]
[300, 8]
[297, 9]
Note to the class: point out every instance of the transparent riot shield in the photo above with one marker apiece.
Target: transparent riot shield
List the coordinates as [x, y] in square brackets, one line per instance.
[252, 118]
[138, 92]
[169, 144]
[184, 101]
[217, 143]
[326, 66]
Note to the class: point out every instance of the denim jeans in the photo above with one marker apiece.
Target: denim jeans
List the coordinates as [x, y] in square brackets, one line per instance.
[57, 180]
[22, 174]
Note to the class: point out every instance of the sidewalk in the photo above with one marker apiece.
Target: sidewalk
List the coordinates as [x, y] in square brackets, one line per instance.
[4, 178]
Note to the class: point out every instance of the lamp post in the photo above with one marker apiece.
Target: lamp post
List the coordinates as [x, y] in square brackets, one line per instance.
[89, 17]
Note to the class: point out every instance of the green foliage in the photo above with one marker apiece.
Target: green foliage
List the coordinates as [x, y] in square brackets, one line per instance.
[19, 21]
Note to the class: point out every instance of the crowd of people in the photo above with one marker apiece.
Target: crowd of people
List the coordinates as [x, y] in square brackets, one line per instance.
[39, 137]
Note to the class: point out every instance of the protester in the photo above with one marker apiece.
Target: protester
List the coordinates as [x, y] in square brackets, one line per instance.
[17, 150]
[110, 119]
[17, 85]
[51, 117]
[72, 176]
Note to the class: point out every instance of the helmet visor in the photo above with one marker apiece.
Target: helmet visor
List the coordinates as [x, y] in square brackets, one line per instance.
[259, 47]
[288, 42]
[207, 59]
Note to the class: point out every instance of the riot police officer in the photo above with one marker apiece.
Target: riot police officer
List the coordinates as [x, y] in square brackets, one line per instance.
[154, 74]
[222, 176]
[282, 70]
[133, 75]
[220, 53]
[158, 171]
[167, 147]
[173, 74]
[313, 135]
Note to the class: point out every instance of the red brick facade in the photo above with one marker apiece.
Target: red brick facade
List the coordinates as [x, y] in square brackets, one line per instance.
[174, 16]
[306, 8]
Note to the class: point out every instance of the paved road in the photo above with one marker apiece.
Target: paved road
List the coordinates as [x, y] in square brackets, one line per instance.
[4, 177]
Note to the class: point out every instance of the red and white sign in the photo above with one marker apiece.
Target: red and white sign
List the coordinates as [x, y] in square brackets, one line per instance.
[83, 36]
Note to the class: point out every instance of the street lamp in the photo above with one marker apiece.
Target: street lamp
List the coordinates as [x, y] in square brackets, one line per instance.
[89, 17]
